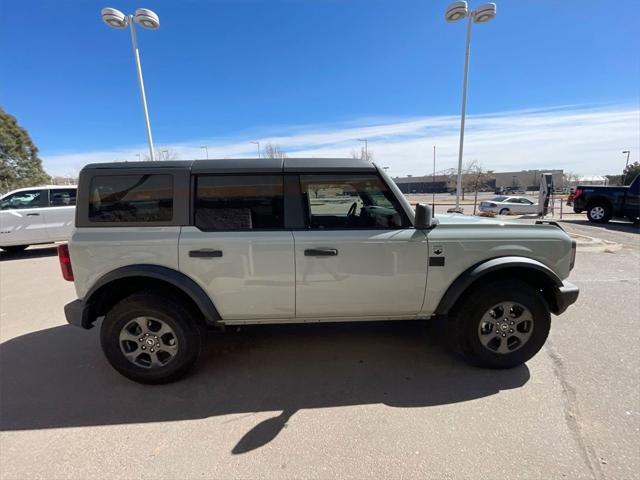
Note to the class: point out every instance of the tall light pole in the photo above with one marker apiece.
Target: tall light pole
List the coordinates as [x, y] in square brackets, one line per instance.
[366, 147]
[433, 186]
[147, 19]
[258, 144]
[457, 11]
[206, 150]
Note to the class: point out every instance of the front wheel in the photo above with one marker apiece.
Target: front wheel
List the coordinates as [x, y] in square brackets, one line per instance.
[150, 338]
[501, 325]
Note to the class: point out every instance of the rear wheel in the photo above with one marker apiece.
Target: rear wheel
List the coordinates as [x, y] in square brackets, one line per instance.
[504, 211]
[15, 248]
[501, 325]
[599, 213]
[151, 339]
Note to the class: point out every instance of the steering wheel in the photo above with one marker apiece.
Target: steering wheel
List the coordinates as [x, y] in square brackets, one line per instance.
[352, 210]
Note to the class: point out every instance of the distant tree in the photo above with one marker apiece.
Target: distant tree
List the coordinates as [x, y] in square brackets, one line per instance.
[362, 154]
[20, 165]
[166, 154]
[571, 178]
[474, 178]
[273, 151]
[614, 179]
[630, 172]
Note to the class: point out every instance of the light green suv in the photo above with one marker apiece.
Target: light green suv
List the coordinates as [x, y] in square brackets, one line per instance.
[161, 251]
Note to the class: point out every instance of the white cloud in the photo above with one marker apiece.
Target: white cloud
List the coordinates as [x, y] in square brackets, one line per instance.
[588, 141]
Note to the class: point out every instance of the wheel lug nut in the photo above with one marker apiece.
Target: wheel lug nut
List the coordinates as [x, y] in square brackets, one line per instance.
[504, 334]
[511, 330]
[144, 348]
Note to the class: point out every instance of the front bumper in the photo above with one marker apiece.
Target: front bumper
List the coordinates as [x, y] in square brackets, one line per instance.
[565, 296]
[77, 313]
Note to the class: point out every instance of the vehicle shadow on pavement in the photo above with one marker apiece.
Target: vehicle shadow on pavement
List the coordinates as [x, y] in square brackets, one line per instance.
[58, 377]
[618, 226]
[29, 253]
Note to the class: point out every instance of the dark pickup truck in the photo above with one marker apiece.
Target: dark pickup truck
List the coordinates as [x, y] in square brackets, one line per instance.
[604, 203]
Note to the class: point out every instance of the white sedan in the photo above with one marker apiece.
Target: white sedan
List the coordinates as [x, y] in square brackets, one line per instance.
[504, 205]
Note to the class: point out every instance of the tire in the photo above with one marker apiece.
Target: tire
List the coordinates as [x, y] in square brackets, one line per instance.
[15, 248]
[476, 341]
[131, 326]
[599, 213]
[504, 211]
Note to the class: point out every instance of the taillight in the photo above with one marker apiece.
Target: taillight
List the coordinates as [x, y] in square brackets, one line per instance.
[65, 262]
[577, 193]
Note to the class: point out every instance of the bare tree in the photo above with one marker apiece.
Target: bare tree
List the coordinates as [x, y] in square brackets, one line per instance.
[273, 151]
[166, 154]
[363, 154]
[474, 178]
[571, 178]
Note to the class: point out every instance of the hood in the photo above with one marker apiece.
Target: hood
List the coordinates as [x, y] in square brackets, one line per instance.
[459, 219]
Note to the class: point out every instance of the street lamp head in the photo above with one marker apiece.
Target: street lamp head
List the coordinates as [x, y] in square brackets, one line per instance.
[484, 13]
[625, 151]
[114, 18]
[456, 11]
[147, 18]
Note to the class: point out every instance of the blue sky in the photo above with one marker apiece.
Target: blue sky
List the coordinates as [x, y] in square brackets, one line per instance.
[315, 75]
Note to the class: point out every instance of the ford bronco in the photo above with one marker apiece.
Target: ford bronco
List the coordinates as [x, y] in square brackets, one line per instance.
[161, 251]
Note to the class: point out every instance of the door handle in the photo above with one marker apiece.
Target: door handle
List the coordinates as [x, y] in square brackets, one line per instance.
[33, 214]
[205, 253]
[321, 252]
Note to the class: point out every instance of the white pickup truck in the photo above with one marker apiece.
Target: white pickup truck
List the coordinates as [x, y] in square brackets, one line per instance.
[31, 216]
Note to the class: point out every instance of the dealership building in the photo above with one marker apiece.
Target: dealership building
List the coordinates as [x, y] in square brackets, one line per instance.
[522, 180]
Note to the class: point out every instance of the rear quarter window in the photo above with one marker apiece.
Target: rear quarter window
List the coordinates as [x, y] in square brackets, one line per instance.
[131, 198]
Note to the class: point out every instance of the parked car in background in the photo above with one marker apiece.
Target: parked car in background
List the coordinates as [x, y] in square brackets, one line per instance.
[31, 216]
[604, 203]
[504, 205]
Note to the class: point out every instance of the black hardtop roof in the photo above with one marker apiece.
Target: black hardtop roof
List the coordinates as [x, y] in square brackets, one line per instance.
[246, 165]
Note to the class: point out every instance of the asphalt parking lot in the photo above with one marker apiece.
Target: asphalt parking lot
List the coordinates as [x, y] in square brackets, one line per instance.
[360, 400]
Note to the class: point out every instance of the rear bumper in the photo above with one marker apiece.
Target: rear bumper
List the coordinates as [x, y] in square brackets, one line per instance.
[77, 313]
[565, 296]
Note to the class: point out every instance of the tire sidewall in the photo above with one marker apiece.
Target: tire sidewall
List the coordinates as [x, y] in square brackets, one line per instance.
[174, 315]
[481, 301]
[504, 211]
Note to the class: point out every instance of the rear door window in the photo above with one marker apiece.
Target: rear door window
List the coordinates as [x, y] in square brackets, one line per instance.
[62, 197]
[131, 198]
[239, 202]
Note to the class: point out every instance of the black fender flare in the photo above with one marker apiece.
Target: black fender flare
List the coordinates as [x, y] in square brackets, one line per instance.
[175, 278]
[473, 274]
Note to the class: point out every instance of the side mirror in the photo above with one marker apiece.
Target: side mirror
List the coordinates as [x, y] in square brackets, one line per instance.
[424, 217]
